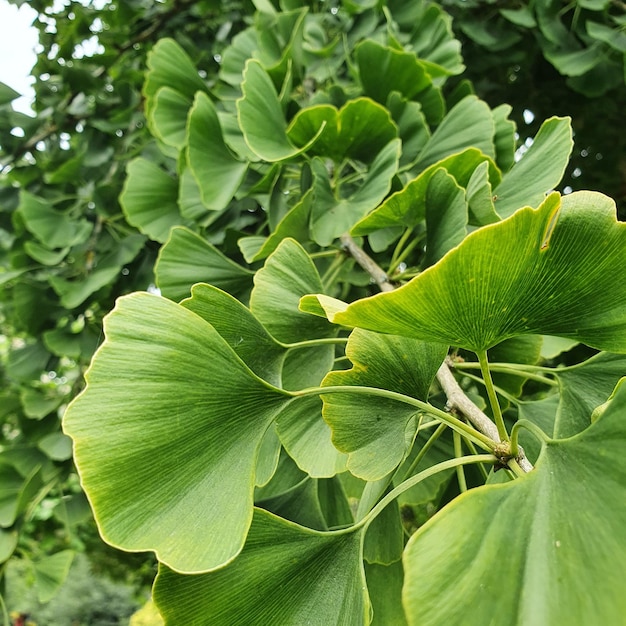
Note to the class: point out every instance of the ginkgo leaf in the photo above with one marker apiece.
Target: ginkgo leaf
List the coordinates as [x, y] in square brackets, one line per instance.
[286, 574]
[556, 270]
[377, 432]
[166, 435]
[531, 551]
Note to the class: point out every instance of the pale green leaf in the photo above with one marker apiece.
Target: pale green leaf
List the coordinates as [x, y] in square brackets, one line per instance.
[169, 465]
[583, 388]
[556, 270]
[288, 274]
[359, 130]
[378, 432]
[469, 124]
[539, 170]
[446, 216]
[186, 259]
[241, 330]
[170, 66]
[51, 572]
[407, 207]
[383, 70]
[261, 117]
[149, 199]
[332, 216]
[217, 172]
[168, 118]
[52, 228]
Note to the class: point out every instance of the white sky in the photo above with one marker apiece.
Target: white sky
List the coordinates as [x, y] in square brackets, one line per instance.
[17, 50]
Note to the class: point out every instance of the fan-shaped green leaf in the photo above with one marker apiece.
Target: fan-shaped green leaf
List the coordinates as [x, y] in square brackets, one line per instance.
[407, 207]
[168, 119]
[287, 275]
[469, 124]
[286, 574]
[556, 270]
[217, 172]
[539, 170]
[383, 70]
[583, 388]
[51, 227]
[446, 216]
[261, 117]
[332, 216]
[169, 463]
[149, 199]
[377, 432]
[186, 259]
[359, 130]
[551, 535]
[170, 66]
[241, 330]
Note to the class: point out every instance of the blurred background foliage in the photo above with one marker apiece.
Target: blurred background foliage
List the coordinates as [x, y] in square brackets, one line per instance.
[67, 251]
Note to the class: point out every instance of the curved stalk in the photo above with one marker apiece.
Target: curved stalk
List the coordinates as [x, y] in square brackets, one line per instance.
[491, 393]
[414, 480]
[456, 424]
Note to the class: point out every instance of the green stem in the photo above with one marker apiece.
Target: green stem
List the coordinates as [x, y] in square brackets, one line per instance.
[516, 469]
[491, 392]
[427, 473]
[531, 428]
[404, 255]
[333, 270]
[458, 453]
[397, 250]
[504, 394]
[456, 424]
[481, 467]
[509, 369]
[424, 449]
[315, 342]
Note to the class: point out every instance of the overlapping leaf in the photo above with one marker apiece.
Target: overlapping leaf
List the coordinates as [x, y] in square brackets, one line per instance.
[169, 463]
[286, 574]
[377, 432]
[186, 259]
[562, 529]
[556, 270]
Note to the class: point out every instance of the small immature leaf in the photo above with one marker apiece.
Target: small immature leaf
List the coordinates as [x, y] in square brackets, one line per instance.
[169, 464]
[288, 274]
[51, 572]
[562, 525]
[149, 199]
[556, 270]
[377, 432]
[286, 574]
[217, 172]
[261, 117]
[186, 259]
[540, 169]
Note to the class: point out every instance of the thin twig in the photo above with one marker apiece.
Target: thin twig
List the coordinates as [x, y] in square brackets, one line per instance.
[456, 396]
[367, 263]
